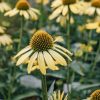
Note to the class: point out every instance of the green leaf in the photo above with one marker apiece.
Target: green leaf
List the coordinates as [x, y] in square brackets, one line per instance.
[87, 86]
[58, 74]
[26, 95]
[76, 66]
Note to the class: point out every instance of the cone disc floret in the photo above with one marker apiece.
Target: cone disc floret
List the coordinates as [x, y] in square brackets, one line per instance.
[96, 3]
[67, 2]
[41, 41]
[95, 95]
[22, 5]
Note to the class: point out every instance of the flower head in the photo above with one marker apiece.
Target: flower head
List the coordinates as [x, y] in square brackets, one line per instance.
[60, 7]
[22, 5]
[67, 2]
[4, 38]
[96, 3]
[94, 25]
[93, 7]
[23, 8]
[43, 53]
[4, 6]
[95, 95]
[57, 95]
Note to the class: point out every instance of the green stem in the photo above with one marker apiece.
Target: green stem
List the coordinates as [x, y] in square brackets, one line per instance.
[44, 88]
[89, 39]
[41, 16]
[21, 34]
[68, 27]
[94, 63]
[68, 46]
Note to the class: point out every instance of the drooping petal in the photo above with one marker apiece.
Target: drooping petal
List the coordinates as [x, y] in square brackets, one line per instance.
[24, 57]
[63, 53]
[23, 51]
[92, 25]
[65, 10]
[31, 61]
[98, 11]
[57, 57]
[26, 15]
[49, 60]
[41, 63]
[56, 3]
[62, 48]
[56, 13]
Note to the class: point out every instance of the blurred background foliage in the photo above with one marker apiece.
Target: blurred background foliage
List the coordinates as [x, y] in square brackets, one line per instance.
[84, 71]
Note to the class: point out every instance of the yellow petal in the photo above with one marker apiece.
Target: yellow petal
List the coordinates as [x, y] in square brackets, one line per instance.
[74, 9]
[24, 57]
[58, 57]
[98, 11]
[63, 53]
[92, 25]
[65, 10]
[23, 51]
[49, 60]
[98, 30]
[62, 48]
[56, 13]
[31, 61]
[41, 63]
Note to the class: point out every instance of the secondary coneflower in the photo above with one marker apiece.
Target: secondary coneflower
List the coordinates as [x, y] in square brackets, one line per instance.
[95, 95]
[62, 20]
[43, 53]
[60, 7]
[57, 95]
[4, 6]
[23, 8]
[93, 7]
[94, 25]
[44, 2]
[4, 38]
[2, 29]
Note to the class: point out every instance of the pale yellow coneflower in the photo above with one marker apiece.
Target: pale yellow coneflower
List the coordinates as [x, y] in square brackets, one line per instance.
[60, 7]
[95, 95]
[4, 6]
[23, 8]
[43, 53]
[62, 20]
[44, 2]
[94, 25]
[93, 7]
[4, 38]
[57, 95]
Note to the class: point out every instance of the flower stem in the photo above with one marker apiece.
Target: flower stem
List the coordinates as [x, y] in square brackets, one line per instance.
[95, 61]
[68, 27]
[44, 88]
[21, 33]
[68, 46]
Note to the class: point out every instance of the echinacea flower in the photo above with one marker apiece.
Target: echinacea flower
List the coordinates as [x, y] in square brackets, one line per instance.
[2, 29]
[4, 6]
[93, 7]
[60, 7]
[4, 38]
[94, 25]
[62, 20]
[95, 95]
[23, 8]
[44, 2]
[57, 95]
[43, 53]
